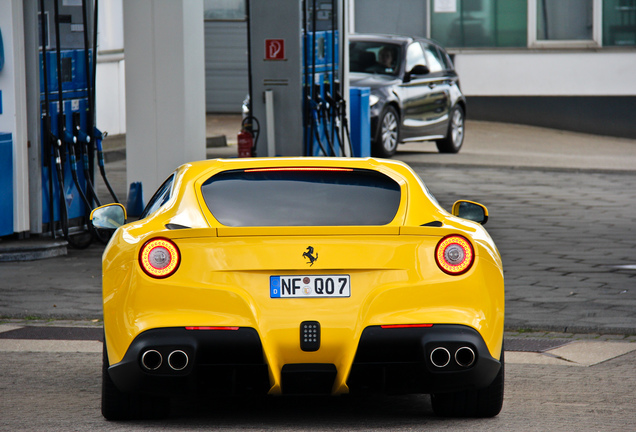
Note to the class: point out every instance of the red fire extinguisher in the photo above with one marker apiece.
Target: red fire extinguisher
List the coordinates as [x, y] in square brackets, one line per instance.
[245, 143]
[248, 137]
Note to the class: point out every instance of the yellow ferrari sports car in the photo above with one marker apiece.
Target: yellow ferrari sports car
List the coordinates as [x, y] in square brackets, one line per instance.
[300, 276]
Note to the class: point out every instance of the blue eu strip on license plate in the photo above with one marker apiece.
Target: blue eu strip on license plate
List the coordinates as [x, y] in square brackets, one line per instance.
[310, 286]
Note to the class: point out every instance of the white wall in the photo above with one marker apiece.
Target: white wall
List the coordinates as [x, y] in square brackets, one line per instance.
[110, 96]
[165, 88]
[110, 76]
[547, 73]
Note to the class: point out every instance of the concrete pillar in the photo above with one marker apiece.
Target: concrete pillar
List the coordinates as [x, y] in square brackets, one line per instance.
[13, 115]
[165, 88]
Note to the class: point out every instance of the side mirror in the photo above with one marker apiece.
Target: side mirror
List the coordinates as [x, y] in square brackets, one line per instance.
[109, 216]
[470, 210]
[417, 70]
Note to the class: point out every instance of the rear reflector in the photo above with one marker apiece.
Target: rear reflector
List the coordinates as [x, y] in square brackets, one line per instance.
[212, 328]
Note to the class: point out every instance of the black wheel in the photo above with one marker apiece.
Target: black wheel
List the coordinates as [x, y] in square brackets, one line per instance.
[118, 405]
[486, 402]
[455, 135]
[387, 136]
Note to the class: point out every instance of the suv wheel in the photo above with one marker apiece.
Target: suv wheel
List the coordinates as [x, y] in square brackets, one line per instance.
[455, 135]
[387, 136]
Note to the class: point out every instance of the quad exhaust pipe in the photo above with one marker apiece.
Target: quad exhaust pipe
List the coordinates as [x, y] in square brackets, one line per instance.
[178, 360]
[152, 360]
[465, 357]
[441, 357]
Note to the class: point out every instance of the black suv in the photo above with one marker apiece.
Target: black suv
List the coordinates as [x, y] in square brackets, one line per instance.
[415, 94]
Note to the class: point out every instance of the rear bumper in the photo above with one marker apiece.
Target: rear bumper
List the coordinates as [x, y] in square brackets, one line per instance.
[388, 360]
[421, 360]
[218, 362]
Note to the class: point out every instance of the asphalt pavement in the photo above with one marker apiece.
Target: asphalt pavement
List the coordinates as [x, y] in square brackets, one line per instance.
[562, 212]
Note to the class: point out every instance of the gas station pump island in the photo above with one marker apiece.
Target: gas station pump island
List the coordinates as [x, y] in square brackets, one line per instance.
[69, 137]
[50, 57]
[298, 81]
[299, 102]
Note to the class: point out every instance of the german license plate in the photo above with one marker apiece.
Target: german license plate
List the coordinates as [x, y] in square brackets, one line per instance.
[310, 286]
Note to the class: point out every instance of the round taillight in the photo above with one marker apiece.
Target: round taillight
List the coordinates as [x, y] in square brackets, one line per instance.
[159, 258]
[454, 255]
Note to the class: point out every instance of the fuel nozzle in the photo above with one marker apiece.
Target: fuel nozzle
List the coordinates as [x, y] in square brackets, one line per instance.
[68, 137]
[99, 135]
[81, 136]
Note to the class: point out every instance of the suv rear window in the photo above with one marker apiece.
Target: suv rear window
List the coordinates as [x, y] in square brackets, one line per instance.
[301, 197]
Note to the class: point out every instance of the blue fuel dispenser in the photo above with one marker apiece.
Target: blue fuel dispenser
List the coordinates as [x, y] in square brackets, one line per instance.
[324, 117]
[67, 73]
[6, 170]
[6, 184]
[297, 81]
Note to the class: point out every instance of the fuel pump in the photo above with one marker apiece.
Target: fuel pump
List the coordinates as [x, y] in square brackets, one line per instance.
[322, 77]
[296, 76]
[69, 137]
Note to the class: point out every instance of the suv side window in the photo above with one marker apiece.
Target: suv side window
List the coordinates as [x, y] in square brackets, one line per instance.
[435, 63]
[446, 61]
[414, 56]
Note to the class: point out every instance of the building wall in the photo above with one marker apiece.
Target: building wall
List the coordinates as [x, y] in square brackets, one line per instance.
[401, 17]
[527, 73]
[585, 91]
[226, 83]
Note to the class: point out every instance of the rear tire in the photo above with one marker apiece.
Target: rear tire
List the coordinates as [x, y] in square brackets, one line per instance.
[454, 139]
[486, 402]
[387, 136]
[118, 405]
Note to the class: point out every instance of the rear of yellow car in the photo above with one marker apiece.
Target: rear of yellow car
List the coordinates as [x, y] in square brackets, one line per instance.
[309, 276]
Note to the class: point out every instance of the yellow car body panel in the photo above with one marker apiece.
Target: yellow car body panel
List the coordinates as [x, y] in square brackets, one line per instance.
[224, 274]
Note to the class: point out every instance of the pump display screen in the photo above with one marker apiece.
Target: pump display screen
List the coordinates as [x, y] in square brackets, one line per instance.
[302, 197]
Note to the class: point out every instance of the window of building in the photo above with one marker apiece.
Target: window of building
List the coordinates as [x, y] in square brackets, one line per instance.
[479, 23]
[619, 23]
[564, 23]
[533, 23]
[224, 10]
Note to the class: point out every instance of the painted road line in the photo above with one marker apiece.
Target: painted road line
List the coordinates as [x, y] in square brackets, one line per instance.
[8, 327]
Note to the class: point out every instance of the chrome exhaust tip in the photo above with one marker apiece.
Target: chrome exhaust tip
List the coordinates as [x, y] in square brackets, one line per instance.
[178, 360]
[465, 357]
[151, 359]
[440, 357]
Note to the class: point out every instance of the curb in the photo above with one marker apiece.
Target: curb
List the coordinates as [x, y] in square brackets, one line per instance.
[31, 249]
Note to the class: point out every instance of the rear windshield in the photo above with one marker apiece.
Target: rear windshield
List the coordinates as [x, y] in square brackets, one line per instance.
[301, 197]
